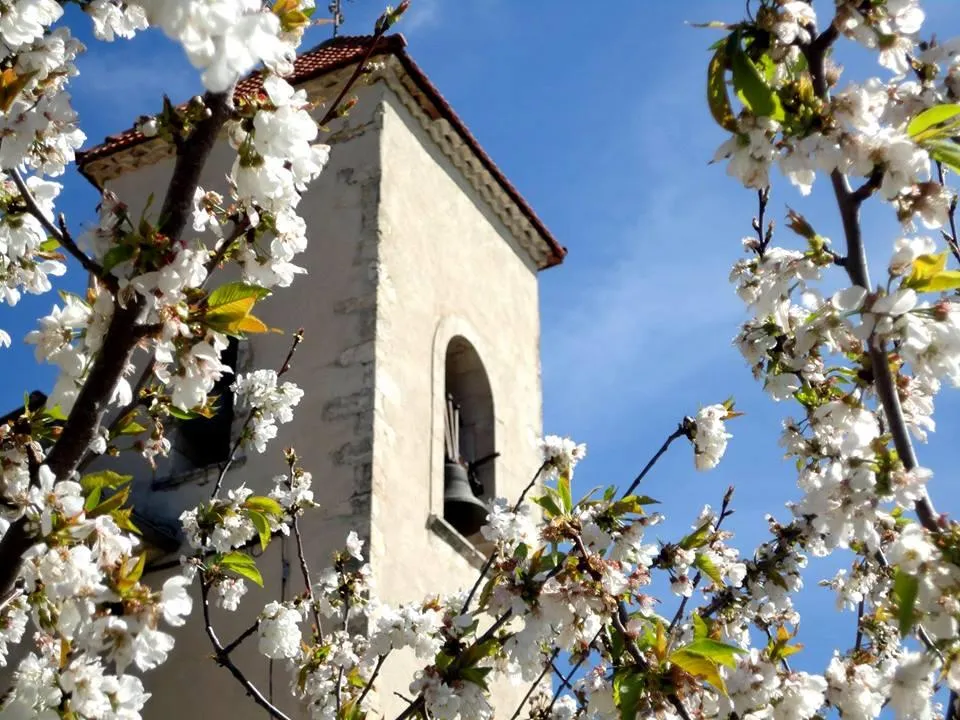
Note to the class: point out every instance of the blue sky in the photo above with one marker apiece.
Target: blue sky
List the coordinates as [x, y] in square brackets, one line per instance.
[599, 119]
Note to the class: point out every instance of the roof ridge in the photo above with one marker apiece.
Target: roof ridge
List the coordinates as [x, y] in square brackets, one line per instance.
[335, 54]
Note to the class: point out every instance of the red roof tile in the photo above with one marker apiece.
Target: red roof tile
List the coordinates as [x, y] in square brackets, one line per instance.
[334, 55]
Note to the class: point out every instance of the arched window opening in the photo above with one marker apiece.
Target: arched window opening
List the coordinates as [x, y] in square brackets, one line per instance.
[469, 442]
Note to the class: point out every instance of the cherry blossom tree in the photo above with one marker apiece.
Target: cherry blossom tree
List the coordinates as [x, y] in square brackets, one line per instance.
[565, 603]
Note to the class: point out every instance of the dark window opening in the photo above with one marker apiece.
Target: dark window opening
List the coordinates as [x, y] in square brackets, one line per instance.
[207, 441]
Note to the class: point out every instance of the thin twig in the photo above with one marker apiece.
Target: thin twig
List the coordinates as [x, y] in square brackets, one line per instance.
[725, 512]
[678, 433]
[305, 571]
[223, 659]
[859, 640]
[125, 410]
[489, 563]
[241, 436]
[565, 679]
[331, 113]
[221, 252]
[535, 684]
[60, 234]
[951, 214]
[241, 637]
[376, 671]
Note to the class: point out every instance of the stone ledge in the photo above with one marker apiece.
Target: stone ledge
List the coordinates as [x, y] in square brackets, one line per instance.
[457, 541]
[201, 475]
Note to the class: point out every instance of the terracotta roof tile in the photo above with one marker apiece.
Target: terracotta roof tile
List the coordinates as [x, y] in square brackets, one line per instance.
[330, 57]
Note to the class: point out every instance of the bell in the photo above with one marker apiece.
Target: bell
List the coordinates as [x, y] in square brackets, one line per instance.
[461, 508]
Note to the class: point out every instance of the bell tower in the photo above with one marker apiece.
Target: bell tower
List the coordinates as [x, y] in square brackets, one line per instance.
[420, 362]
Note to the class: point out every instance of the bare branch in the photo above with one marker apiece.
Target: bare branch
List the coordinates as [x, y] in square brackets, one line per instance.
[676, 434]
[952, 240]
[222, 657]
[489, 563]
[547, 666]
[373, 677]
[61, 234]
[241, 637]
[297, 339]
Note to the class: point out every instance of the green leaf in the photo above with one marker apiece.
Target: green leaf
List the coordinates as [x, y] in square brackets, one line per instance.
[241, 564]
[699, 667]
[718, 652]
[262, 525]
[265, 505]
[116, 255]
[717, 97]
[121, 517]
[442, 660]
[104, 479]
[132, 571]
[944, 151]
[563, 488]
[699, 537]
[229, 308]
[226, 296]
[131, 428]
[49, 245]
[700, 627]
[487, 592]
[752, 89]
[476, 675]
[905, 590]
[706, 566]
[93, 499]
[548, 504]
[946, 280]
[184, 414]
[632, 504]
[111, 504]
[477, 652]
[920, 127]
[628, 687]
[929, 274]
[54, 413]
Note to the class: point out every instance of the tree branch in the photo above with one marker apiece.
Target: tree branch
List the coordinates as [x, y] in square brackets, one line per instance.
[305, 571]
[373, 677]
[858, 271]
[223, 658]
[297, 339]
[489, 563]
[241, 637]
[952, 214]
[60, 234]
[91, 404]
[547, 666]
[678, 433]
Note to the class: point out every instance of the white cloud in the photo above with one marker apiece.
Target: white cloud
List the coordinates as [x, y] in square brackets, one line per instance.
[654, 307]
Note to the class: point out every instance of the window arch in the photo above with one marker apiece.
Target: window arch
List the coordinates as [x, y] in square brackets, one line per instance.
[467, 391]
